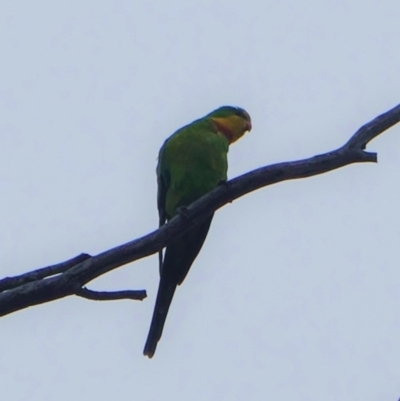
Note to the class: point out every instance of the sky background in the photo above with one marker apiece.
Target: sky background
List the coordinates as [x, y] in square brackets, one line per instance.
[295, 295]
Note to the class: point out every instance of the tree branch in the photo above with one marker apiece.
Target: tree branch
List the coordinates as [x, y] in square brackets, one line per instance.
[111, 295]
[8, 283]
[70, 281]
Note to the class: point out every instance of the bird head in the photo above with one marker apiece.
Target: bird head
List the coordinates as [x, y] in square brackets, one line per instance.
[233, 122]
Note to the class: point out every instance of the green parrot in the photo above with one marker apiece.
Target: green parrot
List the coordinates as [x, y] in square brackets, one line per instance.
[192, 162]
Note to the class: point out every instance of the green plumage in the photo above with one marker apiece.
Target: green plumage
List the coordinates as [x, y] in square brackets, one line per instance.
[192, 162]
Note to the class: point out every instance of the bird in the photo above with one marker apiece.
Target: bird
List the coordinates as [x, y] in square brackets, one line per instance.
[191, 162]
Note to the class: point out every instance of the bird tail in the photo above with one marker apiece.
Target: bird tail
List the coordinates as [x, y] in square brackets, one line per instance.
[165, 294]
[178, 258]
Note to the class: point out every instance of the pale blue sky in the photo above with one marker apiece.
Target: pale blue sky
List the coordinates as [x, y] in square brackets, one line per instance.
[295, 294]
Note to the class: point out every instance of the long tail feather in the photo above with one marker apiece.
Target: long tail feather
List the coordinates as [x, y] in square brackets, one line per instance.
[178, 258]
[165, 294]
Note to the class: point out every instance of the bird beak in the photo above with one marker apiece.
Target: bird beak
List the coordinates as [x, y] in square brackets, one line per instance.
[248, 125]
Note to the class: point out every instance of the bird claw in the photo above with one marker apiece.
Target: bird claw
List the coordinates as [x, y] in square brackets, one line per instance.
[184, 212]
[227, 185]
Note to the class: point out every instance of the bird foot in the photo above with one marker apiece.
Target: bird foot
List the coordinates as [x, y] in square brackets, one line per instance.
[227, 185]
[184, 212]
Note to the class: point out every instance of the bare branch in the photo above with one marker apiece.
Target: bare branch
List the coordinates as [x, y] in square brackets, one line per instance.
[12, 282]
[71, 281]
[138, 295]
[374, 128]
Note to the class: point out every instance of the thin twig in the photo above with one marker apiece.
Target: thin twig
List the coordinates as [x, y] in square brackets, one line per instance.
[137, 295]
[8, 283]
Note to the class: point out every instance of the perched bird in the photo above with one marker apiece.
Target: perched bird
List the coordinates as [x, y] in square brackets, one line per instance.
[192, 162]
